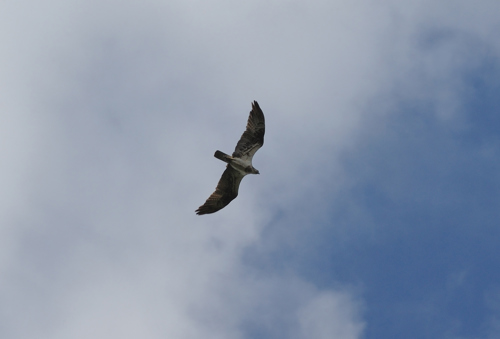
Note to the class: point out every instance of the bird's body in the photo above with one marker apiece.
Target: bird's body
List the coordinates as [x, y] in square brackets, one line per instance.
[239, 164]
[242, 165]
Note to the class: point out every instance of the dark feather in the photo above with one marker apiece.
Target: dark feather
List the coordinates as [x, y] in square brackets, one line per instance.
[226, 191]
[253, 137]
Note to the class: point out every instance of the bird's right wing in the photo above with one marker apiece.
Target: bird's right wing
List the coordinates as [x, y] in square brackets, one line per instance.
[253, 137]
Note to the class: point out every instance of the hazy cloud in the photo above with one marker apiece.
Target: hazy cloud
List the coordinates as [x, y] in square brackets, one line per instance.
[111, 112]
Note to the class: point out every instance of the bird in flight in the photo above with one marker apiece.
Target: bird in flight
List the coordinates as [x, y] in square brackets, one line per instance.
[238, 165]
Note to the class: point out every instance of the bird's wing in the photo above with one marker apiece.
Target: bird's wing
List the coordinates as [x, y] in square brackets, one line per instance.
[253, 137]
[226, 191]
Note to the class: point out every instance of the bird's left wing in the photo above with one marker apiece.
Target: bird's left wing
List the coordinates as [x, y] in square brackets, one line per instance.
[226, 191]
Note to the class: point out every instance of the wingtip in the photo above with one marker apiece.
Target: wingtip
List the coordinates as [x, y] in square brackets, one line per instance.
[203, 210]
[255, 106]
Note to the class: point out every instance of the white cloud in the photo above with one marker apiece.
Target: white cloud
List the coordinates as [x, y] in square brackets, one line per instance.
[330, 315]
[111, 112]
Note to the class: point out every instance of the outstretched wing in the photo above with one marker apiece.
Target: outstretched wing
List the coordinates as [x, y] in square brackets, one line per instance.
[226, 191]
[253, 137]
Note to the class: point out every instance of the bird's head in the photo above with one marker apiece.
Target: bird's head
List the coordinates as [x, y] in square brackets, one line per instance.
[251, 170]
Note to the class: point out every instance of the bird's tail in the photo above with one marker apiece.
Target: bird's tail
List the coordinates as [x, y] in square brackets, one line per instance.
[223, 156]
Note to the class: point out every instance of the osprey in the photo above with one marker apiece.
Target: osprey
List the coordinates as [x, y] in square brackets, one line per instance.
[238, 165]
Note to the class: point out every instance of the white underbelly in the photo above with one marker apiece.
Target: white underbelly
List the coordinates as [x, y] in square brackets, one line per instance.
[240, 164]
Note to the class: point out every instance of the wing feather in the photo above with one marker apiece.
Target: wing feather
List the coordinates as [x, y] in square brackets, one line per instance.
[253, 137]
[226, 191]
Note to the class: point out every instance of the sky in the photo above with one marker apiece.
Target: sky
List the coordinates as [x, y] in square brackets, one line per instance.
[376, 214]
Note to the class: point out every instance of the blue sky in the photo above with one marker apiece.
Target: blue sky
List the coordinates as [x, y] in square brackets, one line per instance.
[376, 212]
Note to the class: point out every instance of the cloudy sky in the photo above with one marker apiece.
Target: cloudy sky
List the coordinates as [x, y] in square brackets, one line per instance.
[376, 214]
